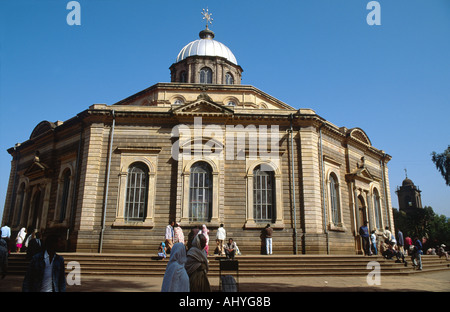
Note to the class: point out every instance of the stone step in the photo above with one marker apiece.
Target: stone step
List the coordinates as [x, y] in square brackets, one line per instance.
[251, 265]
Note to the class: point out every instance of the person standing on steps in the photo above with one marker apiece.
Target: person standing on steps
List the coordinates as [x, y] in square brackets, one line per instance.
[220, 239]
[268, 232]
[46, 271]
[169, 235]
[364, 232]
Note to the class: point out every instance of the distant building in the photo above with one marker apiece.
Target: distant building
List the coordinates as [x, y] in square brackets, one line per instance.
[408, 196]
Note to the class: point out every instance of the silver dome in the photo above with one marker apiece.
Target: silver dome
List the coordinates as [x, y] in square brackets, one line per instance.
[206, 47]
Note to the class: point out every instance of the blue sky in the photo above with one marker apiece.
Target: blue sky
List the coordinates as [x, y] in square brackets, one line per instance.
[391, 80]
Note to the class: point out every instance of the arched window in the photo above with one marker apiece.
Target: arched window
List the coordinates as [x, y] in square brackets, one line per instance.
[65, 195]
[205, 75]
[334, 200]
[263, 194]
[137, 192]
[183, 76]
[229, 80]
[21, 198]
[200, 192]
[377, 209]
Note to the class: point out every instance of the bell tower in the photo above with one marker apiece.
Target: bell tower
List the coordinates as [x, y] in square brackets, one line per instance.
[409, 197]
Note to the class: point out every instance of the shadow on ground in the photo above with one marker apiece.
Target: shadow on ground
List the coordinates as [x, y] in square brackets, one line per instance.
[280, 287]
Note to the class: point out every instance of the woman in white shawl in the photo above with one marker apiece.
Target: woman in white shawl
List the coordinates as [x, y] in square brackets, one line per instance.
[197, 265]
[178, 234]
[176, 278]
[20, 238]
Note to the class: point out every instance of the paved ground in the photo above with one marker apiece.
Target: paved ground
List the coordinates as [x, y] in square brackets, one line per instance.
[420, 282]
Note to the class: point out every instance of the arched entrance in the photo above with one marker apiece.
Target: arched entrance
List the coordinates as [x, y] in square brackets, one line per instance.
[362, 214]
[361, 219]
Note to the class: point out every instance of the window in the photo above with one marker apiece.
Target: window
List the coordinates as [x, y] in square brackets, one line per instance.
[183, 76]
[334, 200]
[206, 75]
[200, 192]
[263, 195]
[137, 192]
[65, 195]
[377, 208]
[177, 102]
[229, 80]
[19, 208]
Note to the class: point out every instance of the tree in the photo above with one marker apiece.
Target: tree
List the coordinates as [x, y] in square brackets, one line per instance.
[442, 162]
[424, 223]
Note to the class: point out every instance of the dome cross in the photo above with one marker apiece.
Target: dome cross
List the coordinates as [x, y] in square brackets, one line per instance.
[207, 17]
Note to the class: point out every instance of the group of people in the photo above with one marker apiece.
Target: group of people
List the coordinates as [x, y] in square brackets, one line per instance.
[21, 238]
[398, 247]
[439, 251]
[46, 270]
[174, 234]
[187, 268]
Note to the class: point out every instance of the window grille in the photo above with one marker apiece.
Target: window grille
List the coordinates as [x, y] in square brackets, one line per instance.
[200, 192]
[263, 191]
[334, 199]
[229, 80]
[137, 192]
[206, 75]
[377, 209]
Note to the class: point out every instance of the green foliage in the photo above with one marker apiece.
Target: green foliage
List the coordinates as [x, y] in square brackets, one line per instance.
[424, 223]
[442, 162]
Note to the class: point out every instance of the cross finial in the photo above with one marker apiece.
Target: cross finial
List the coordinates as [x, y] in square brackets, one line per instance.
[207, 17]
[406, 173]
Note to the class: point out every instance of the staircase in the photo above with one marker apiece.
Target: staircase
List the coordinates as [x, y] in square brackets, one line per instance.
[249, 265]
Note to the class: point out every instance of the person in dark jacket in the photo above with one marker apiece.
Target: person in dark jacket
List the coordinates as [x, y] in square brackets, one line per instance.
[45, 272]
[400, 241]
[364, 232]
[3, 258]
[34, 245]
[417, 252]
[268, 231]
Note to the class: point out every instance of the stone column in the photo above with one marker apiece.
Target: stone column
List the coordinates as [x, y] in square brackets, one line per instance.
[314, 236]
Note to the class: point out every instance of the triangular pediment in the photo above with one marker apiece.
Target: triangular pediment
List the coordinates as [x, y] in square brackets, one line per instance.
[203, 106]
[37, 169]
[362, 174]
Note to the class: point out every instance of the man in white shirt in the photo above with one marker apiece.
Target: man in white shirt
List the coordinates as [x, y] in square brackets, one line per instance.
[46, 271]
[169, 235]
[220, 238]
[387, 235]
[6, 234]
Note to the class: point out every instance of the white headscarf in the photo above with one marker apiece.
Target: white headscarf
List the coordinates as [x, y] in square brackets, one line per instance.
[21, 236]
[205, 233]
[176, 278]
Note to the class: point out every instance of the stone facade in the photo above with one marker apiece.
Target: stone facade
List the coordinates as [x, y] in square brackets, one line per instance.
[75, 177]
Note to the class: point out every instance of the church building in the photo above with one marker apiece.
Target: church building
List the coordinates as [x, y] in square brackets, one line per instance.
[409, 197]
[202, 149]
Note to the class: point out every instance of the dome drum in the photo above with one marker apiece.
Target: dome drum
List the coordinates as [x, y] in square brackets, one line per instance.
[206, 55]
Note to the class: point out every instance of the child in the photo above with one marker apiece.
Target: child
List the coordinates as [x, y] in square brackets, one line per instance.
[162, 250]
